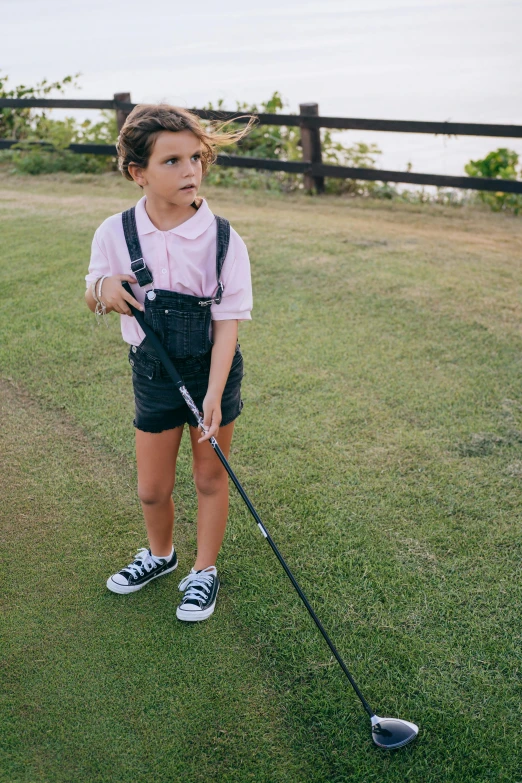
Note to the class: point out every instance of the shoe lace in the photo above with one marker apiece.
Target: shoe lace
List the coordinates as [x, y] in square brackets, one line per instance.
[196, 586]
[142, 563]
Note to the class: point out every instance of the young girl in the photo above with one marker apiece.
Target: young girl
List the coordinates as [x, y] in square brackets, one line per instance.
[190, 275]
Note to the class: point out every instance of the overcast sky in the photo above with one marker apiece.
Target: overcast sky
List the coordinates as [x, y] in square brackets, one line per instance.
[409, 59]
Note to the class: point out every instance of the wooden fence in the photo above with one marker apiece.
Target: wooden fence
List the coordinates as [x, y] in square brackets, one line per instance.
[309, 121]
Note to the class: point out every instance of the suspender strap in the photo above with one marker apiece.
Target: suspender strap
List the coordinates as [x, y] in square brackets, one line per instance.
[223, 240]
[139, 268]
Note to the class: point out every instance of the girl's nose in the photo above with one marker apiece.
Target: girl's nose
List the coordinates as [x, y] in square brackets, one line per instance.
[190, 171]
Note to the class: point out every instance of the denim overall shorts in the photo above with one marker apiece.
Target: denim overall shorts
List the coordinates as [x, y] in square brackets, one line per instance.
[183, 324]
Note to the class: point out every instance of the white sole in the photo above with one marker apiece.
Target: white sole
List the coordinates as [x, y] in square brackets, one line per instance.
[188, 614]
[114, 587]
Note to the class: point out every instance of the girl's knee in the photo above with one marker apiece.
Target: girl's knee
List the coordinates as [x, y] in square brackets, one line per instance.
[209, 479]
[154, 494]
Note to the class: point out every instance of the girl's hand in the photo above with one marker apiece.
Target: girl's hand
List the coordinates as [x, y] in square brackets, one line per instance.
[211, 416]
[116, 297]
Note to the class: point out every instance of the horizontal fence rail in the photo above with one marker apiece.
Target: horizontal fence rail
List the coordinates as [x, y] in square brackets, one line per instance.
[319, 121]
[310, 122]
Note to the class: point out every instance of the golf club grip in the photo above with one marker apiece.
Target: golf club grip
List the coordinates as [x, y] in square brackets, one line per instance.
[165, 358]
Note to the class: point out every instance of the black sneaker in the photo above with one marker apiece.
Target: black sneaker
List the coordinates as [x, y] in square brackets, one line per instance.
[201, 589]
[139, 573]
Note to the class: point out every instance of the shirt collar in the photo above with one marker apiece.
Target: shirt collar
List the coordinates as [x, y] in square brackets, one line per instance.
[190, 229]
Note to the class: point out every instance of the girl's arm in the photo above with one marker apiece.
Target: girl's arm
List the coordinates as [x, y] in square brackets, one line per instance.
[113, 295]
[223, 350]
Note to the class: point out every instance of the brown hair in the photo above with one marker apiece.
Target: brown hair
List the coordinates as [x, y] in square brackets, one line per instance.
[146, 121]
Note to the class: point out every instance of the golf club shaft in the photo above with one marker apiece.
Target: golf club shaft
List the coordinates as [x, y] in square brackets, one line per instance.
[291, 577]
[170, 368]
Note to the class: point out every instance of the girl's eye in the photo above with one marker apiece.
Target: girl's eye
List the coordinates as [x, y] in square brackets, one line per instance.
[174, 160]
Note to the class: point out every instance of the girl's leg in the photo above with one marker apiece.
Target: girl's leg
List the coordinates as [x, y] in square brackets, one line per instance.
[156, 454]
[211, 481]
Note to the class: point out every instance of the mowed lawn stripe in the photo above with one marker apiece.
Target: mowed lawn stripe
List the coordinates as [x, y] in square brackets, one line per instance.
[102, 687]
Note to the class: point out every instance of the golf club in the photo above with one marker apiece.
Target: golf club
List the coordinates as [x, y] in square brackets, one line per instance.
[388, 733]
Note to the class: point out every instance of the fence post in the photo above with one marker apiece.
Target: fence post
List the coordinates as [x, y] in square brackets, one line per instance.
[311, 146]
[121, 115]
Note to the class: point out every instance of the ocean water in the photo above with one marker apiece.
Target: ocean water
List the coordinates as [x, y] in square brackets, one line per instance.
[408, 59]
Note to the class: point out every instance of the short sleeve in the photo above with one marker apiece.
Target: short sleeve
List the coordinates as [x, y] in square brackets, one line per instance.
[99, 264]
[237, 301]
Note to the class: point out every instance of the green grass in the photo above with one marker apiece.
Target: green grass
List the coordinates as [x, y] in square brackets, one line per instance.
[381, 442]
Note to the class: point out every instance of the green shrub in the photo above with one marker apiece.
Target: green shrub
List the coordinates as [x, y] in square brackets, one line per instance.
[29, 127]
[500, 164]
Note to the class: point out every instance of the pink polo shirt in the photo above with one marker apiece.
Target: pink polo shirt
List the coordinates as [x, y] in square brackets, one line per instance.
[182, 259]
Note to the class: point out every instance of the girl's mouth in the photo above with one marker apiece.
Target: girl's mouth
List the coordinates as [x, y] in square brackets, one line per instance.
[189, 187]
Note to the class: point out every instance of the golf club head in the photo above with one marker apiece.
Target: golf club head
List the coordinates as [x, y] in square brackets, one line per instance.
[390, 733]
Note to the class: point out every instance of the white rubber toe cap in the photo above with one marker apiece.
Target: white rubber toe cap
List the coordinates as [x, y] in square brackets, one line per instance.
[119, 579]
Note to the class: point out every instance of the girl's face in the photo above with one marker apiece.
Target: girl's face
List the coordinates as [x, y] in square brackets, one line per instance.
[174, 163]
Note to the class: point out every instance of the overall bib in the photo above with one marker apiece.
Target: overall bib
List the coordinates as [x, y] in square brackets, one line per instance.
[184, 325]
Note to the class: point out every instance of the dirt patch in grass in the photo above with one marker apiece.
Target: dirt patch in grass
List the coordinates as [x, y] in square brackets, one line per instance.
[19, 201]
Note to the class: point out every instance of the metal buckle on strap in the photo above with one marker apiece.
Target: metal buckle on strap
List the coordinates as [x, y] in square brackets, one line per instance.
[215, 299]
[142, 272]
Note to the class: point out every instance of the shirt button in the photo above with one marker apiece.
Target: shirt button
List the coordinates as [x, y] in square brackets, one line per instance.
[163, 271]
[133, 349]
[131, 362]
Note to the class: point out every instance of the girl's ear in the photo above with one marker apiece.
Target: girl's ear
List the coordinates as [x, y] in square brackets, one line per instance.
[138, 174]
